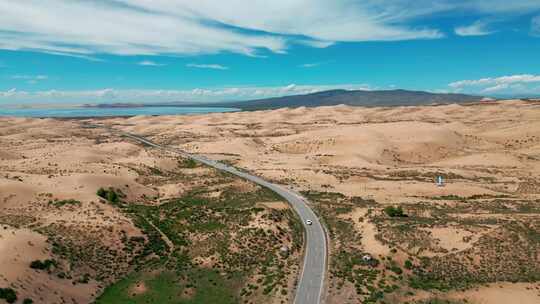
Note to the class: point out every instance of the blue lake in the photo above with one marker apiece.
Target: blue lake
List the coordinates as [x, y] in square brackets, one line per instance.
[104, 112]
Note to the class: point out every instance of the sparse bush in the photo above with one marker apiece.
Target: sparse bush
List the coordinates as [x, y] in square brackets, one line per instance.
[8, 294]
[408, 264]
[190, 163]
[102, 193]
[109, 195]
[392, 211]
[37, 264]
[112, 196]
[396, 269]
[42, 265]
[156, 171]
[64, 202]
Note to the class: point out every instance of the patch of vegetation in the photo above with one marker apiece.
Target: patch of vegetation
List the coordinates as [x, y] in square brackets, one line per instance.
[507, 254]
[68, 202]
[8, 294]
[43, 265]
[395, 268]
[102, 193]
[453, 197]
[408, 264]
[323, 196]
[423, 176]
[111, 195]
[193, 287]
[392, 211]
[85, 252]
[189, 163]
[348, 264]
[450, 197]
[200, 225]
[156, 171]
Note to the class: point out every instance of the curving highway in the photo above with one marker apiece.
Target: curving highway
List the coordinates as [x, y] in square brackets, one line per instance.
[310, 287]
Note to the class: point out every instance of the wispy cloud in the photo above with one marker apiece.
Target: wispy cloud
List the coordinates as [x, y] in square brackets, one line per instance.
[149, 63]
[523, 78]
[121, 29]
[187, 27]
[512, 84]
[14, 96]
[30, 79]
[207, 66]
[478, 28]
[310, 65]
[74, 55]
[316, 43]
[139, 27]
[12, 92]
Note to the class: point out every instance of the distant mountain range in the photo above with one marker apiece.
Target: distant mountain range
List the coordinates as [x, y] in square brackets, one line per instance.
[327, 98]
[355, 98]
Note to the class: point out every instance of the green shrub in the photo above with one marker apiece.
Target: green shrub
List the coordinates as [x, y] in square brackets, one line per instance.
[65, 202]
[408, 264]
[102, 193]
[46, 264]
[190, 163]
[112, 196]
[156, 171]
[392, 211]
[8, 294]
[28, 301]
[396, 269]
[109, 195]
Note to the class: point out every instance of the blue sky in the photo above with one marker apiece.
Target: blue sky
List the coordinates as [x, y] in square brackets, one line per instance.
[197, 51]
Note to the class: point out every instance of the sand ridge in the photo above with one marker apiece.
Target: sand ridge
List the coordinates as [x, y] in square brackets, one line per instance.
[390, 155]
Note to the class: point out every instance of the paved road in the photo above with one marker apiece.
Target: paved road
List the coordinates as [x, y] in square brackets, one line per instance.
[310, 287]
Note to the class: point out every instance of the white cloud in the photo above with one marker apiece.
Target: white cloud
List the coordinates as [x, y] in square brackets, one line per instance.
[496, 88]
[30, 77]
[310, 65]
[11, 92]
[478, 28]
[85, 57]
[91, 27]
[207, 66]
[14, 97]
[316, 43]
[320, 20]
[513, 84]
[523, 78]
[535, 26]
[149, 63]
[164, 27]
[187, 27]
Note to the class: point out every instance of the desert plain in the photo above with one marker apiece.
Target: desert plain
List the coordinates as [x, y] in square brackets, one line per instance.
[111, 221]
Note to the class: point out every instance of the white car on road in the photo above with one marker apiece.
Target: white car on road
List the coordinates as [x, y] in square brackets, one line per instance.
[309, 222]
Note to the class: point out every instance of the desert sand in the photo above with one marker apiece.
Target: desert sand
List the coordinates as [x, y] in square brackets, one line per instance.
[315, 146]
[50, 171]
[388, 155]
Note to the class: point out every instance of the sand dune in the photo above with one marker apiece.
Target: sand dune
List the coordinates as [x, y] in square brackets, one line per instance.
[388, 154]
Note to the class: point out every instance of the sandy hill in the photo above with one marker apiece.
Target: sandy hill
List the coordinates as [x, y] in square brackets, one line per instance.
[477, 233]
